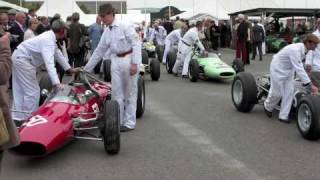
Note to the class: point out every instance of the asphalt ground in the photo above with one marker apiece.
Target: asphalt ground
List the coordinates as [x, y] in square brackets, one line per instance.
[189, 131]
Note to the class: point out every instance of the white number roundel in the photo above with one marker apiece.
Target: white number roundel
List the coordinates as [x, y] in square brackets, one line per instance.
[36, 120]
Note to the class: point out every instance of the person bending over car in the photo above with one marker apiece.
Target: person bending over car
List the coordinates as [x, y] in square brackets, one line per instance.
[125, 53]
[284, 65]
[185, 45]
[173, 38]
[313, 61]
[28, 56]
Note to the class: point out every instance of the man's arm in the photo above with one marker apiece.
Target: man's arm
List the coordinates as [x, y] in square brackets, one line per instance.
[63, 61]
[48, 52]
[296, 61]
[133, 39]
[98, 53]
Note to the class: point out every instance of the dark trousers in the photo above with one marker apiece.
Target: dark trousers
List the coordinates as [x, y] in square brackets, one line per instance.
[241, 51]
[248, 48]
[256, 45]
[76, 59]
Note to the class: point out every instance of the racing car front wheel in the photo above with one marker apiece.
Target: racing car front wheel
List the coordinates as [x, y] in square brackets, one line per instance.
[159, 51]
[107, 70]
[141, 100]
[145, 57]
[155, 70]
[237, 65]
[111, 133]
[171, 60]
[308, 114]
[193, 70]
[244, 92]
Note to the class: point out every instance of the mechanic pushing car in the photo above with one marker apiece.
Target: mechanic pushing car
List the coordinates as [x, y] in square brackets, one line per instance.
[284, 65]
[313, 60]
[172, 39]
[185, 49]
[28, 56]
[125, 53]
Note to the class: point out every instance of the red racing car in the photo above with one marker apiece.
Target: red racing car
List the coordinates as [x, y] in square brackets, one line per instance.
[75, 112]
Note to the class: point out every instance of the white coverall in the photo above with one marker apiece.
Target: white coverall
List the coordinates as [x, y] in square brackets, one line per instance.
[313, 57]
[119, 39]
[28, 56]
[282, 69]
[185, 50]
[159, 35]
[172, 39]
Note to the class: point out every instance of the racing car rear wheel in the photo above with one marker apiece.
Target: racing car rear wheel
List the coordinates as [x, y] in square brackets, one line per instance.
[141, 99]
[171, 60]
[155, 70]
[145, 57]
[193, 70]
[308, 114]
[111, 131]
[107, 70]
[97, 68]
[237, 65]
[244, 92]
[159, 51]
[45, 83]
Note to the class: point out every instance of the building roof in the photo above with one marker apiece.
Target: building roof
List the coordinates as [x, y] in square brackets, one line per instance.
[5, 6]
[279, 12]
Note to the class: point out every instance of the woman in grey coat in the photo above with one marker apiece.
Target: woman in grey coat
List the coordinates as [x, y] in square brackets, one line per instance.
[5, 72]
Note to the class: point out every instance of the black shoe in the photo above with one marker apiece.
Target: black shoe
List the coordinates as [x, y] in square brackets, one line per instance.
[125, 129]
[268, 113]
[185, 76]
[253, 58]
[260, 59]
[284, 120]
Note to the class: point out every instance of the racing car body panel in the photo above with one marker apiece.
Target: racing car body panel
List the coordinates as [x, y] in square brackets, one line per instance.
[215, 68]
[52, 125]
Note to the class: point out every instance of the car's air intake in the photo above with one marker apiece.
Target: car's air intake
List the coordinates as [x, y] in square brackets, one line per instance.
[226, 74]
[30, 149]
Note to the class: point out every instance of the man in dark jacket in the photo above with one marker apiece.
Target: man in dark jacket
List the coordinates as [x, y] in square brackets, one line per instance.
[75, 35]
[257, 39]
[242, 38]
[18, 28]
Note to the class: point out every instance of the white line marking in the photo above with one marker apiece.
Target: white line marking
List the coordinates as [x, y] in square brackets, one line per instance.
[205, 144]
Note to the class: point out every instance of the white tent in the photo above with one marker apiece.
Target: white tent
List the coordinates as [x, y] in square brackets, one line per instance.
[7, 5]
[66, 7]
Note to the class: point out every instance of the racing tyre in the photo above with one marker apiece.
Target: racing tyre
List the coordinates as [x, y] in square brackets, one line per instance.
[97, 68]
[159, 51]
[155, 70]
[308, 114]
[45, 83]
[193, 70]
[107, 70]
[238, 65]
[244, 92]
[111, 133]
[141, 99]
[145, 57]
[171, 59]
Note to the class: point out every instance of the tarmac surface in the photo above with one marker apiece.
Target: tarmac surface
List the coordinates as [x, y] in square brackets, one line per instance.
[189, 131]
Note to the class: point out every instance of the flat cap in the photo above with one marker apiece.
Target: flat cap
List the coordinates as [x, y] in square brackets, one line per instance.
[12, 12]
